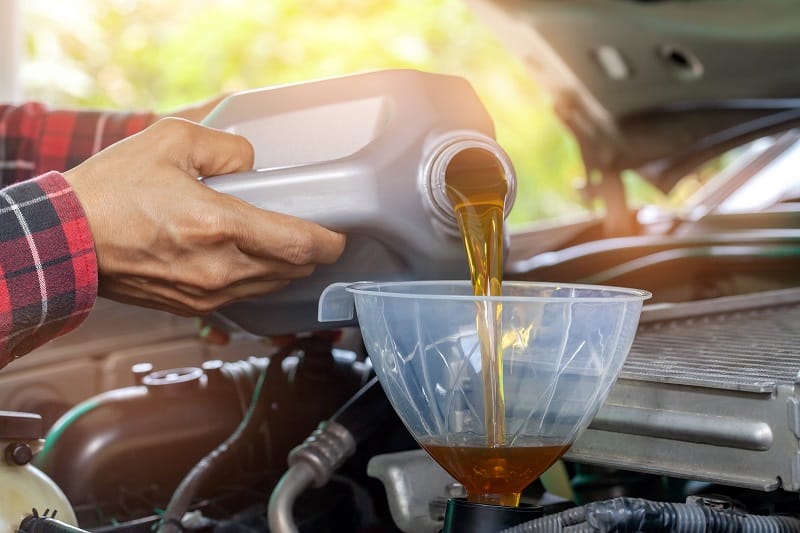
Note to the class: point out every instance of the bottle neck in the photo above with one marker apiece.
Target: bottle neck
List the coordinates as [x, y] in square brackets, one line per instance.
[453, 155]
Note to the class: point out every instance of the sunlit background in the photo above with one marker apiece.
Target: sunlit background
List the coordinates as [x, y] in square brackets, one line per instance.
[158, 55]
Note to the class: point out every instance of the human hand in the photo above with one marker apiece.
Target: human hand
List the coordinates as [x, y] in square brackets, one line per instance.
[165, 240]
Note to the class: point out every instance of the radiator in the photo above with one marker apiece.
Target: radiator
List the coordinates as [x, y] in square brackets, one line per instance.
[709, 392]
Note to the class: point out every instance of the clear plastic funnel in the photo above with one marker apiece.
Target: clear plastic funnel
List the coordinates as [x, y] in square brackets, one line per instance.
[559, 349]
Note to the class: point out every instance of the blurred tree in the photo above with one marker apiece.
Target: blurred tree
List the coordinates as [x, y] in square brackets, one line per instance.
[159, 55]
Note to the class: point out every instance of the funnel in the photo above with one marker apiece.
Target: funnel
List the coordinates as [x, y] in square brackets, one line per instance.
[494, 424]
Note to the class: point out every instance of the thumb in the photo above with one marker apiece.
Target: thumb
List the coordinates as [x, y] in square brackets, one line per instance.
[209, 152]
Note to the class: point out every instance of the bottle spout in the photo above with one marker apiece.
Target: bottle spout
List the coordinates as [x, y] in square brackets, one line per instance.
[465, 153]
[336, 303]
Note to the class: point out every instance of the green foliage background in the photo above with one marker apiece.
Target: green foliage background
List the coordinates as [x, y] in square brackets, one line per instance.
[156, 54]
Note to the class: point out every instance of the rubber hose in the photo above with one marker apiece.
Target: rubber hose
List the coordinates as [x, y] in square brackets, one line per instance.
[183, 495]
[46, 524]
[635, 514]
[313, 462]
[292, 484]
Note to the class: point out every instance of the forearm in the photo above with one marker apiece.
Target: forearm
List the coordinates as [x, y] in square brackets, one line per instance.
[48, 268]
[34, 139]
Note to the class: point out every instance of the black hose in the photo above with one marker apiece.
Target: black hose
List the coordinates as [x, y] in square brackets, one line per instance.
[635, 514]
[183, 495]
[313, 462]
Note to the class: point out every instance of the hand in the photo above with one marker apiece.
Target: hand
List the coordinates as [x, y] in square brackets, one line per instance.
[165, 240]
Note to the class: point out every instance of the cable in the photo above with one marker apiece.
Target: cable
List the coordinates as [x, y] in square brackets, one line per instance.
[182, 497]
[636, 514]
[35, 523]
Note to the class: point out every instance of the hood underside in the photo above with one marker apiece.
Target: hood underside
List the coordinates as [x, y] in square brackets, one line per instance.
[659, 86]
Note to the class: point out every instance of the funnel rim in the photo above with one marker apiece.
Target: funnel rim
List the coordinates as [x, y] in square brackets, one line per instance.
[623, 294]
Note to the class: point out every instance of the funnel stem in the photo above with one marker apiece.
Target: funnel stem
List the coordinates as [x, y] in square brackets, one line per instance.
[510, 499]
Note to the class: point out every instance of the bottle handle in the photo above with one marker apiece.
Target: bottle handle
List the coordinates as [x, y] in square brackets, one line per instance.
[297, 191]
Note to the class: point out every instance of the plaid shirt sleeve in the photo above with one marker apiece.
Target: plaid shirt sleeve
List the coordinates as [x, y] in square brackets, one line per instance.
[48, 268]
[34, 139]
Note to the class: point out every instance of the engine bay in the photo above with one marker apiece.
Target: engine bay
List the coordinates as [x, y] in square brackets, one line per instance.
[144, 424]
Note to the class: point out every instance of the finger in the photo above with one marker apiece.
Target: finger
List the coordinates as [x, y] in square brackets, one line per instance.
[193, 288]
[267, 234]
[136, 297]
[269, 271]
[196, 302]
[220, 268]
[242, 292]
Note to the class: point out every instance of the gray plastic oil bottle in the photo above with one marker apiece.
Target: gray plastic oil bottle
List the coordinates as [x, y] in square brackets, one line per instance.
[366, 155]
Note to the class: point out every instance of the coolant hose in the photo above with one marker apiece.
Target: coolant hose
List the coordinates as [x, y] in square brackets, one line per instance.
[636, 514]
[313, 462]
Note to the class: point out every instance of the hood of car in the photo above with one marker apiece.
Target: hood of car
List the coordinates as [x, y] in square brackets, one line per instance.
[659, 86]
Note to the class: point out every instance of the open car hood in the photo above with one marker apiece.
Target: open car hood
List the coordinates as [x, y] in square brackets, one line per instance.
[659, 86]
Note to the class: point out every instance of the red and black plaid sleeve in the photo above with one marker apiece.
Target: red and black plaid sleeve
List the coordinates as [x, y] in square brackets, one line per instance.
[34, 139]
[48, 268]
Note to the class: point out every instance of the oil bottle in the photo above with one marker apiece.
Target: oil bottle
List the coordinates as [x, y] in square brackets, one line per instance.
[364, 154]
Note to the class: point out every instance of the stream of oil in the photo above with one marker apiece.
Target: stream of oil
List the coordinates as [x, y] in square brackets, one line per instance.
[476, 186]
[494, 471]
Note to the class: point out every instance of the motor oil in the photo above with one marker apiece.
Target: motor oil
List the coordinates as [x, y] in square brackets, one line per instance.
[365, 155]
[477, 188]
[495, 476]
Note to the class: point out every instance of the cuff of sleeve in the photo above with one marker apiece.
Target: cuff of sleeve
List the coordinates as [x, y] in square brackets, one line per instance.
[80, 251]
[49, 267]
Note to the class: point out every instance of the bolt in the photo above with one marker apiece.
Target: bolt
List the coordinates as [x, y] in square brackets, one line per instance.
[213, 371]
[18, 454]
[140, 370]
